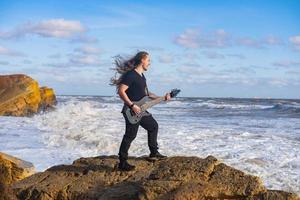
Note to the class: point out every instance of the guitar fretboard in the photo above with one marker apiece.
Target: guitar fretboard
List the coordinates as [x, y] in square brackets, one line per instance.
[151, 103]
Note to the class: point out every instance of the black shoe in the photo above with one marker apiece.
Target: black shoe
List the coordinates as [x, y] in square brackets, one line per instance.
[157, 155]
[125, 166]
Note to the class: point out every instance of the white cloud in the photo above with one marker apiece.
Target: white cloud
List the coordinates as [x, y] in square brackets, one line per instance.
[249, 42]
[240, 56]
[85, 56]
[9, 52]
[191, 56]
[88, 50]
[188, 39]
[286, 63]
[197, 71]
[240, 75]
[213, 55]
[293, 72]
[76, 61]
[278, 82]
[57, 28]
[193, 38]
[259, 43]
[166, 58]
[193, 75]
[295, 41]
[241, 71]
[85, 60]
[272, 40]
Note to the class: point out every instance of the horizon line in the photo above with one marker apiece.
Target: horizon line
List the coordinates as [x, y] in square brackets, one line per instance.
[267, 98]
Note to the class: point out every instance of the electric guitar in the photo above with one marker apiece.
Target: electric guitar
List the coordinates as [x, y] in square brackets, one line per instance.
[144, 104]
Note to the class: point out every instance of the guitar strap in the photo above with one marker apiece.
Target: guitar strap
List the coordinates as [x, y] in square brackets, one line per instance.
[147, 92]
[146, 88]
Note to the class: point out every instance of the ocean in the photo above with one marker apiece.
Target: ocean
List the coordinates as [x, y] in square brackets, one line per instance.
[259, 136]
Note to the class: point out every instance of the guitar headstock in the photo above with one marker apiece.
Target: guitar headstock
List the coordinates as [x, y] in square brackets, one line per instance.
[174, 92]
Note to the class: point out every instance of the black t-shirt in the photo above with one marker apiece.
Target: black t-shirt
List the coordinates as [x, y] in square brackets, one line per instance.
[136, 85]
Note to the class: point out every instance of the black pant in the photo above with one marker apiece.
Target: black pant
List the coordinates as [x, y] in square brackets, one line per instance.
[148, 123]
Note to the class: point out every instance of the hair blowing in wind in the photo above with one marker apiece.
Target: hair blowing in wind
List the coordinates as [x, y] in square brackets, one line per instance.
[122, 65]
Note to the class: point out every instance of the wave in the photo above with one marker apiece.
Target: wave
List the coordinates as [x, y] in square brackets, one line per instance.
[232, 106]
[229, 106]
[287, 108]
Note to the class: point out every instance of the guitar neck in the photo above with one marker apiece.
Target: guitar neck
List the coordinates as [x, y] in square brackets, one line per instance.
[151, 103]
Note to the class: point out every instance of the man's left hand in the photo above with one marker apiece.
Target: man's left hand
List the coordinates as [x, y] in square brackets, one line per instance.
[167, 97]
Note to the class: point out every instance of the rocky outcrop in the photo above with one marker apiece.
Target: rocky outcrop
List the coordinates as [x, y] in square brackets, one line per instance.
[172, 178]
[48, 98]
[20, 95]
[12, 169]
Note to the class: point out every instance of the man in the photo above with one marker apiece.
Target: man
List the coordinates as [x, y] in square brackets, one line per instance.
[132, 87]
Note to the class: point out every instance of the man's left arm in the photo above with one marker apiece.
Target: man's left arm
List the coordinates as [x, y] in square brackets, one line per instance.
[154, 96]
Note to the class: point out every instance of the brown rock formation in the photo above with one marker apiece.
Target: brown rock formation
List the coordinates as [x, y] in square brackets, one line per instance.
[47, 98]
[11, 170]
[20, 95]
[172, 178]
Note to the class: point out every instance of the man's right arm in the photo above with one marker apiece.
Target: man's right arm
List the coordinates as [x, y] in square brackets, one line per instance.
[123, 95]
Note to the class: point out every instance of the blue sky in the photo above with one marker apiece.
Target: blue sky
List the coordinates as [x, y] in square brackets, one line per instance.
[207, 49]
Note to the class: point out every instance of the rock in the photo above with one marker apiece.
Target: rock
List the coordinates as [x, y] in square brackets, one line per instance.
[48, 98]
[12, 169]
[6, 193]
[20, 95]
[280, 195]
[171, 178]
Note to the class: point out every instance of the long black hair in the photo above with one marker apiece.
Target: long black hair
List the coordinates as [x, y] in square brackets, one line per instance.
[123, 65]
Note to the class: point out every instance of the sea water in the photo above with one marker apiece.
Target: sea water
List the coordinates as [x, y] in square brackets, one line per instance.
[259, 136]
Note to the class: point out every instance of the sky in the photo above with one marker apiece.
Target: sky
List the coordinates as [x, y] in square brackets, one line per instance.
[233, 48]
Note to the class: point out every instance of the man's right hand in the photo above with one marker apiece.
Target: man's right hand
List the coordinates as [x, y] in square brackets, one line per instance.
[136, 109]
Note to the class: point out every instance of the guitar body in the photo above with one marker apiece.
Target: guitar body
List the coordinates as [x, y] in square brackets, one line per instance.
[135, 118]
[144, 104]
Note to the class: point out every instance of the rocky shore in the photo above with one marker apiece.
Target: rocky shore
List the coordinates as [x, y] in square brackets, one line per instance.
[177, 177]
[20, 95]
